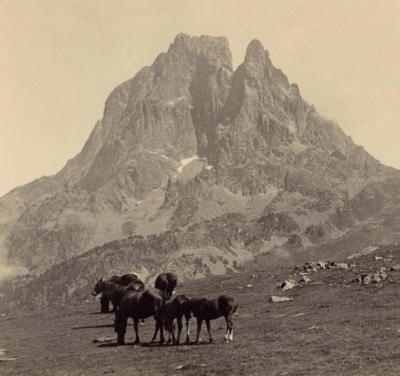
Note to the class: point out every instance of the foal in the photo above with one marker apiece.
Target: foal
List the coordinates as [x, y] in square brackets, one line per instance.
[211, 309]
[173, 309]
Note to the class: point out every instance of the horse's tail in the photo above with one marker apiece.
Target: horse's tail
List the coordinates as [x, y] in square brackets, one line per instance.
[187, 309]
[235, 307]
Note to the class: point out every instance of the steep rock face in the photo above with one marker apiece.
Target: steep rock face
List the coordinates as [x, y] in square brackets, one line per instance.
[150, 122]
[191, 146]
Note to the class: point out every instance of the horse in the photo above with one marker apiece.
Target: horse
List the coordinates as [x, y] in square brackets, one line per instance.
[166, 282]
[128, 279]
[138, 305]
[210, 309]
[173, 309]
[106, 288]
[105, 300]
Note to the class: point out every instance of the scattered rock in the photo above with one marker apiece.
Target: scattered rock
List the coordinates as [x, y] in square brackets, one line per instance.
[249, 285]
[288, 284]
[103, 340]
[366, 279]
[305, 279]
[187, 366]
[342, 265]
[395, 268]
[377, 258]
[3, 357]
[280, 299]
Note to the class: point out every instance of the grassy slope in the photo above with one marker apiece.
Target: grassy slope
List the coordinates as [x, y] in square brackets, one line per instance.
[332, 327]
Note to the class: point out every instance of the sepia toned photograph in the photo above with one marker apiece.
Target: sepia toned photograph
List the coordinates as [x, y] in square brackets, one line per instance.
[199, 187]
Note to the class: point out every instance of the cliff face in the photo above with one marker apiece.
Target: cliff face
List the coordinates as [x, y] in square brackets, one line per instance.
[180, 146]
[150, 123]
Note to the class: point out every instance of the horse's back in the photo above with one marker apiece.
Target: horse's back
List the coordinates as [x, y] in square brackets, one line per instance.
[141, 304]
[115, 279]
[204, 308]
[128, 279]
[177, 306]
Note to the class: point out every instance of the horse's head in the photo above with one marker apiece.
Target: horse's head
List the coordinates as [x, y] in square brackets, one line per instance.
[98, 288]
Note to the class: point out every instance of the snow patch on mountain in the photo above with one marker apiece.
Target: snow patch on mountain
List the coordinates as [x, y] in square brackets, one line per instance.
[186, 161]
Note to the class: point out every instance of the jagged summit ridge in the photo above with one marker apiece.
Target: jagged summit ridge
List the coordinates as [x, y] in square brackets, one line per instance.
[248, 133]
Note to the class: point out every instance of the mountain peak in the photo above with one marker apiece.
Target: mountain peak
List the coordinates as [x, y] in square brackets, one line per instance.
[255, 52]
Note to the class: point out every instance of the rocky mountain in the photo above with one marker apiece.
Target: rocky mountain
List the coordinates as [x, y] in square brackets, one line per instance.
[196, 168]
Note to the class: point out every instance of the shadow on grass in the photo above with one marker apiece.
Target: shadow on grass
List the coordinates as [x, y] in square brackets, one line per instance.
[157, 344]
[96, 326]
[110, 344]
[153, 345]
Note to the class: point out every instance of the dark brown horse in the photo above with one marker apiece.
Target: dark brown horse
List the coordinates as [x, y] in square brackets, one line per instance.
[211, 309]
[104, 299]
[106, 288]
[138, 305]
[173, 309]
[166, 282]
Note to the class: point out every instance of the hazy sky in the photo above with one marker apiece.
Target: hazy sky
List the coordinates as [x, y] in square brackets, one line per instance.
[60, 59]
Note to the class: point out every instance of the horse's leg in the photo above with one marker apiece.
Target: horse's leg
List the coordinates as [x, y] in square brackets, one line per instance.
[187, 329]
[226, 336]
[172, 331]
[116, 320]
[199, 321]
[179, 321]
[120, 328]
[168, 329]
[162, 340]
[209, 330]
[155, 332]
[230, 326]
[104, 303]
[136, 324]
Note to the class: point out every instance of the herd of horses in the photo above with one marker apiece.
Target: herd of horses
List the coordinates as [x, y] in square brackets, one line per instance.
[131, 299]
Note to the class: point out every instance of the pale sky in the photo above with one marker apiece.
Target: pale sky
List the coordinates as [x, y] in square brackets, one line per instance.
[60, 59]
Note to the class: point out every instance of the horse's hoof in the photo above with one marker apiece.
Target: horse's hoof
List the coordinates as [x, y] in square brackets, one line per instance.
[211, 340]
